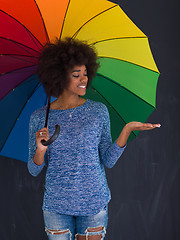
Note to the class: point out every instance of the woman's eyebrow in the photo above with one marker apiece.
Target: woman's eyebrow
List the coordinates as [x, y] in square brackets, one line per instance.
[77, 70]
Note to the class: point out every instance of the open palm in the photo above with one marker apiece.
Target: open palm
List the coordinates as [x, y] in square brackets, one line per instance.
[139, 126]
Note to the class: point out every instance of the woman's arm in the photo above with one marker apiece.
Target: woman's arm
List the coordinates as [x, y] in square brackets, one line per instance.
[36, 150]
[110, 153]
[40, 150]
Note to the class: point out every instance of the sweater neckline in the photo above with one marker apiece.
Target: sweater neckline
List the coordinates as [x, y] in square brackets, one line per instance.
[71, 109]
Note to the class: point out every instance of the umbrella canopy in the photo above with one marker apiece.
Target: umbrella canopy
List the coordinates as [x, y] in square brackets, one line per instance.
[126, 81]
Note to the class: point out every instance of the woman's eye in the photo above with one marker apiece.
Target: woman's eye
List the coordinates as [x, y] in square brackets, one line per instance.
[76, 76]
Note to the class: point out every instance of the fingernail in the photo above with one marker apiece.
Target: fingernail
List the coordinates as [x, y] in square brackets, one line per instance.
[159, 125]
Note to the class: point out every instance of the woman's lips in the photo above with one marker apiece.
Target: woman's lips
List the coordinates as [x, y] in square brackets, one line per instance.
[82, 86]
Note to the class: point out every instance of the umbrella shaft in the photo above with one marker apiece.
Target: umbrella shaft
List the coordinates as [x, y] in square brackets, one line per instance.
[47, 112]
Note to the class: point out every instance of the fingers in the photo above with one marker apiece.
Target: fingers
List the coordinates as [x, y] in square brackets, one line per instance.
[157, 125]
[139, 126]
[150, 126]
[42, 134]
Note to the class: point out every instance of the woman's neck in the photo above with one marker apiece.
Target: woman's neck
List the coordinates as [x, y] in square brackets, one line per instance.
[67, 102]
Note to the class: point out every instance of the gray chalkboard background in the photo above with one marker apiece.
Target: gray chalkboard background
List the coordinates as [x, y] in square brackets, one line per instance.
[145, 182]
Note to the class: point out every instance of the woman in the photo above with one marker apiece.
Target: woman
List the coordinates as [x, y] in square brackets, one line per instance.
[76, 199]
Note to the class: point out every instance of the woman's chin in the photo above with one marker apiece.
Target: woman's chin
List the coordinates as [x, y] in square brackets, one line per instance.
[82, 92]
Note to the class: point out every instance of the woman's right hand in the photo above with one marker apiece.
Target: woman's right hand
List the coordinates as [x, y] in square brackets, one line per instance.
[40, 135]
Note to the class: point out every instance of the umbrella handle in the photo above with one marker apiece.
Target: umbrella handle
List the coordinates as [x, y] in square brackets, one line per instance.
[53, 138]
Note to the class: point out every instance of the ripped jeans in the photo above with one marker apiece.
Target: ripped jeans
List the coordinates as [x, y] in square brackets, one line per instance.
[67, 227]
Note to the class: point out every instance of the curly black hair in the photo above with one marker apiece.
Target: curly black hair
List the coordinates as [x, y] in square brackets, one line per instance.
[58, 58]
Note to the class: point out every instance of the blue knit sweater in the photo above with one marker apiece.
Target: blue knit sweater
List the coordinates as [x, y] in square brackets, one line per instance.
[76, 183]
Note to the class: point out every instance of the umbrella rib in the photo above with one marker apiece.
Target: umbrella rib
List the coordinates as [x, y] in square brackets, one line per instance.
[20, 55]
[76, 33]
[18, 117]
[42, 21]
[122, 59]
[111, 107]
[24, 28]
[64, 18]
[16, 86]
[116, 38]
[30, 35]
[23, 60]
[126, 89]
[129, 63]
[15, 70]
[21, 45]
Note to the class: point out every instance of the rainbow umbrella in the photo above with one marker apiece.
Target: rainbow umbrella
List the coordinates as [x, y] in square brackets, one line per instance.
[126, 81]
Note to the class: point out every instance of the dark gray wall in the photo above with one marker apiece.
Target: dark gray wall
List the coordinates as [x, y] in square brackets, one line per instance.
[145, 182]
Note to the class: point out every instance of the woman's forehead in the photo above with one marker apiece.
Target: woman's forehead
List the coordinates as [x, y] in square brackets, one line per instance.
[79, 68]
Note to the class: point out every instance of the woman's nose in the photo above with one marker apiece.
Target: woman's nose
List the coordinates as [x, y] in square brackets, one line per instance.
[84, 78]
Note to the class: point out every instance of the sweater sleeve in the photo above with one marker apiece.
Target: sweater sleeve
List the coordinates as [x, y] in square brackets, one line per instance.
[109, 152]
[34, 169]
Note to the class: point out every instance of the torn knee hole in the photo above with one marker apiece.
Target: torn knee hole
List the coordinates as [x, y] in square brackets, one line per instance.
[92, 233]
[91, 237]
[52, 231]
[95, 229]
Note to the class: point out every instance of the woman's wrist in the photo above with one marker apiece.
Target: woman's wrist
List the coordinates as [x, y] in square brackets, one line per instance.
[123, 137]
[38, 158]
[41, 151]
[128, 128]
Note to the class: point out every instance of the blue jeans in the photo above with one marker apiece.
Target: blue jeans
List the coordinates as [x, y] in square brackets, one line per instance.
[67, 227]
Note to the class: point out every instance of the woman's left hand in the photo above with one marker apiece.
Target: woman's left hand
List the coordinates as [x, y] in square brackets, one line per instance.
[139, 126]
[134, 126]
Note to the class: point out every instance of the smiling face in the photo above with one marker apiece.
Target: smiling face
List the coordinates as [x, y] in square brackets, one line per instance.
[78, 81]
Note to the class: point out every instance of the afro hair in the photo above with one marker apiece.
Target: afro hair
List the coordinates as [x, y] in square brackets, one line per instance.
[58, 58]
